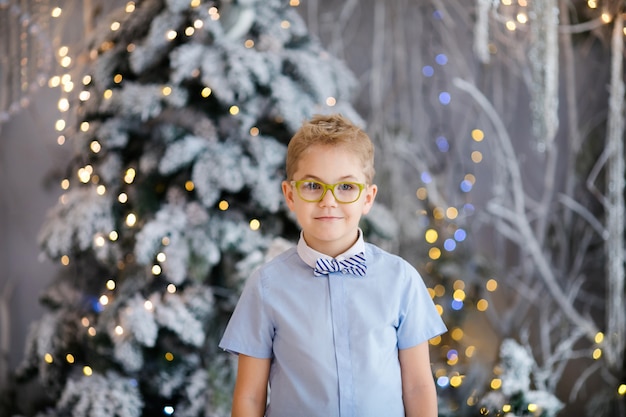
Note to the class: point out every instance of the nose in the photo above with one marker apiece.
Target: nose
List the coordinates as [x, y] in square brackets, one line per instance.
[328, 199]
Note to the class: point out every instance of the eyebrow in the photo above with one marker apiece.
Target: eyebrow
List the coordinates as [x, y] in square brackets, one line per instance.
[350, 178]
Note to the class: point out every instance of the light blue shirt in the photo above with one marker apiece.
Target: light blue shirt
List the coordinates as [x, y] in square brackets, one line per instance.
[333, 340]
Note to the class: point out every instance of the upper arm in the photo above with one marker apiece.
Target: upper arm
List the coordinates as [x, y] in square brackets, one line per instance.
[418, 387]
[250, 395]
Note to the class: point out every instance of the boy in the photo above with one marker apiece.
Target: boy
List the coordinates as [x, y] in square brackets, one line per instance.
[337, 326]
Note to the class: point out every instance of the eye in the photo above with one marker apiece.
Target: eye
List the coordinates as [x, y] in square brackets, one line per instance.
[346, 186]
[311, 185]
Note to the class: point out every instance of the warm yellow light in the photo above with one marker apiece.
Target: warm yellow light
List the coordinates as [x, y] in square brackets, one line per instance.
[65, 184]
[171, 35]
[69, 358]
[119, 330]
[592, 4]
[87, 371]
[234, 110]
[459, 284]
[506, 408]
[99, 241]
[60, 139]
[223, 205]
[606, 17]
[104, 300]
[206, 91]
[65, 62]
[54, 81]
[198, 24]
[469, 351]
[439, 309]
[110, 285]
[431, 236]
[599, 337]
[95, 146]
[161, 257]
[194, 3]
[254, 131]
[294, 3]
[597, 353]
[48, 358]
[422, 193]
[249, 43]
[621, 390]
[510, 25]
[165, 241]
[452, 213]
[189, 30]
[477, 157]
[122, 198]
[91, 331]
[84, 95]
[113, 236]
[255, 224]
[169, 356]
[522, 18]
[59, 125]
[456, 381]
[459, 295]
[532, 407]
[156, 270]
[482, 305]
[148, 305]
[56, 12]
[130, 7]
[434, 253]
[491, 285]
[457, 334]
[285, 24]
[171, 288]
[438, 213]
[189, 185]
[331, 101]
[115, 26]
[435, 340]
[440, 290]
[470, 178]
[65, 260]
[131, 220]
[107, 94]
[496, 383]
[166, 91]
[84, 321]
[129, 177]
[84, 126]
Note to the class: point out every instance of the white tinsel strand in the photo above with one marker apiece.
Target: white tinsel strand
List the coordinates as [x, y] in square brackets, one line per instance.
[481, 30]
[616, 320]
[543, 57]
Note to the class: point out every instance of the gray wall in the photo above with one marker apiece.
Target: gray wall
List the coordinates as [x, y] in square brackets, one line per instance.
[28, 153]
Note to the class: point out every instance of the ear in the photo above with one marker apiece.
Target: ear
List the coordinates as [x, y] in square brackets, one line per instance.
[288, 193]
[370, 196]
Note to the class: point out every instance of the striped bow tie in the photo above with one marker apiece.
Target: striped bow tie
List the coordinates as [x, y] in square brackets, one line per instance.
[352, 265]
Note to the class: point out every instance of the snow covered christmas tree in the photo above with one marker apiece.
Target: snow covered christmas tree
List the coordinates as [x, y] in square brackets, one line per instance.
[180, 119]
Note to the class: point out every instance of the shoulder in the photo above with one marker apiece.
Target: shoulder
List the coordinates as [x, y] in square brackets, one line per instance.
[377, 255]
[275, 267]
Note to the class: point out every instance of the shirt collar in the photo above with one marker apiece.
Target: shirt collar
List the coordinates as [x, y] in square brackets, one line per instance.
[310, 255]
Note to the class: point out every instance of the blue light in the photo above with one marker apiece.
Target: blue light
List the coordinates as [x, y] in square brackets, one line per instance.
[441, 59]
[452, 354]
[428, 71]
[443, 381]
[468, 208]
[466, 186]
[438, 15]
[456, 305]
[442, 144]
[444, 98]
[460, 235]
[426, 178]
[168, 410]
[449, 245]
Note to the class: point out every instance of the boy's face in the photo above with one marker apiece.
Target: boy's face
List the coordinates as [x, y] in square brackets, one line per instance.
[328, 226]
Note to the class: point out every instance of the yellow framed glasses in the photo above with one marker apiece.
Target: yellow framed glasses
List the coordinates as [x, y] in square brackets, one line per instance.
[312, 191]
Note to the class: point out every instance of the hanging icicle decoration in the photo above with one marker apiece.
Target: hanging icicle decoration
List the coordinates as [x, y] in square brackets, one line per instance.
[543, 56]
[26, 54]
[481, 30]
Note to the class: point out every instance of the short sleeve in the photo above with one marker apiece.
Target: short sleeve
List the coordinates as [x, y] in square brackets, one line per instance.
[419, 319]
[250, 330]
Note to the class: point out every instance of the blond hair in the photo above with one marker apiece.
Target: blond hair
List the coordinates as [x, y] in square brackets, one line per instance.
[331, 130]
